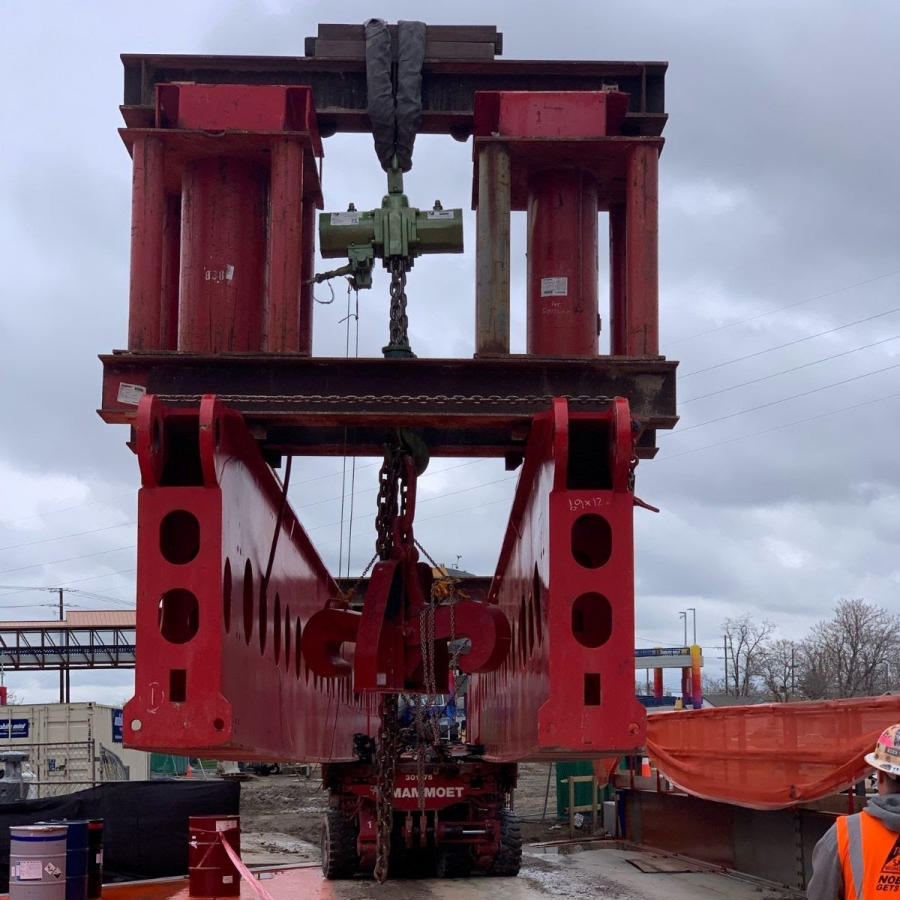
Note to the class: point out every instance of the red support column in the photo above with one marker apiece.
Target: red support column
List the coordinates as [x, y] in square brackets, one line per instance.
[642, 259]
[562, 264]
[307, 271]
[148, 211]
[223, 256]
[285, 247]
[618, 310]
[657, 683]
[171, 265]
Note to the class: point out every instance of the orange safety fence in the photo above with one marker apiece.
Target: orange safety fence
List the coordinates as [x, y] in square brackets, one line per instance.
[768, 756]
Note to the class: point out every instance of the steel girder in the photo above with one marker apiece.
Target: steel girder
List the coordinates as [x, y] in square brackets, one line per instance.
[227, 579]
[565, 579]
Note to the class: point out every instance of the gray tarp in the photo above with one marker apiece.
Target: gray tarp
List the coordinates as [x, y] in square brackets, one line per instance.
[395, 120]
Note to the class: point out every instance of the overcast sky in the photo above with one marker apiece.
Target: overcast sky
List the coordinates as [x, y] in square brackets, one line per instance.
[779, 188]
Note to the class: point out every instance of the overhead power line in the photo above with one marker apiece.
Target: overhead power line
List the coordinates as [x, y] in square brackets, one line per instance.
[744, 437]
[53, 512]
[779, 309]
[817, 390]
[815, 362]
[65, 584]
[62, 537]
[54, 562]
[808, 337]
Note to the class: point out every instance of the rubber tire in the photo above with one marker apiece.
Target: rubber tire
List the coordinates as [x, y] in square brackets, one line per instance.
[508, 860]
[453, 862]
[339, 856]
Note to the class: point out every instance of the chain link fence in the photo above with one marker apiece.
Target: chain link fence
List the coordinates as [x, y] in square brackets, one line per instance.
[55, 769]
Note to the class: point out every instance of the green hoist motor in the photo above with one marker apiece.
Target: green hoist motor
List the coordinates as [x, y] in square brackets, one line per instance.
[396, 234]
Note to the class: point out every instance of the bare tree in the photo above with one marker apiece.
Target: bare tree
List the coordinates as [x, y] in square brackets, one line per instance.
[745, 643]
[778, 669]
[814, 672]
[852, 654]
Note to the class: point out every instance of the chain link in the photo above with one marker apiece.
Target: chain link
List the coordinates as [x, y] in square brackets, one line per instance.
[399, 323]
[396, 399]
[388, 481]
[386, 773]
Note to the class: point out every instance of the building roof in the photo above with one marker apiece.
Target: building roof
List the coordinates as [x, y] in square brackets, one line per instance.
[82, 618]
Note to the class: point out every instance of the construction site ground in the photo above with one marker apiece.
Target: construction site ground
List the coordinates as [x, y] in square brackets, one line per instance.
[281, 817]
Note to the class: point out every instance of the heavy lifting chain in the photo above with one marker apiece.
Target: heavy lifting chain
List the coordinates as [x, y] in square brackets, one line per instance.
[389, 491]
[399, 337]
[386, 772]
[391, 502]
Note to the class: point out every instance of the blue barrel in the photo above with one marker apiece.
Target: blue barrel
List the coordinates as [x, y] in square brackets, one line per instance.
[76, 857]
[37, 862]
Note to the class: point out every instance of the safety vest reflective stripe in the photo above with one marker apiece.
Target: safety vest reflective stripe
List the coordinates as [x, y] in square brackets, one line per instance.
[867, 850]
[853, 831]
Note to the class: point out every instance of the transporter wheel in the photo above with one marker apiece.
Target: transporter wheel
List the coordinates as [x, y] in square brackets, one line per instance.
[453, 861]
[339, 856]
[508, 860]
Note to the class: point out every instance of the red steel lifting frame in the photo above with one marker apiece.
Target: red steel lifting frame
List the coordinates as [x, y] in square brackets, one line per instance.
[218, 669]
[565, 579]
[227, 579]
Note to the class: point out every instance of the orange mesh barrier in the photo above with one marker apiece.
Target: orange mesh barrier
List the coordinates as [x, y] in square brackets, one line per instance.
[769, 756]
[605, 768]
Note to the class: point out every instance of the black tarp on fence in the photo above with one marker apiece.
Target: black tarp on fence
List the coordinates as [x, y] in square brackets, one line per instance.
[145, 822]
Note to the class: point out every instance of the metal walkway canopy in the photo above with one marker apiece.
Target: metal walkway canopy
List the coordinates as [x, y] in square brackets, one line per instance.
[87, 639]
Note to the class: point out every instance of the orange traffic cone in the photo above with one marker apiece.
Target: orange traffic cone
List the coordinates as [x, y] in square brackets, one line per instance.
[188, 772]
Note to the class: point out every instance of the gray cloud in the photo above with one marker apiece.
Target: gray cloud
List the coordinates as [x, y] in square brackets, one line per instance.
[778, 184]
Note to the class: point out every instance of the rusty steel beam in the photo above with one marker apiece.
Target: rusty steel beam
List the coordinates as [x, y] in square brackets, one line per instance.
[148, 220]
[448, 87]
[492, 262]
[642, 255]
[303, 406]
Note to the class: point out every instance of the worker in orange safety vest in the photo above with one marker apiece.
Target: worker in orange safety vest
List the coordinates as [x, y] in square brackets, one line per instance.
[858, 858]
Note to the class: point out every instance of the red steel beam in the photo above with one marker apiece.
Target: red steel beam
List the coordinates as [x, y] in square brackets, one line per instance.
[285, 259]
[148, 215]
[565, 579]
[219, 670]
[642, 254]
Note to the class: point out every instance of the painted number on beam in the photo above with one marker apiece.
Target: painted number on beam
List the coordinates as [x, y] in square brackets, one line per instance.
[226, 274]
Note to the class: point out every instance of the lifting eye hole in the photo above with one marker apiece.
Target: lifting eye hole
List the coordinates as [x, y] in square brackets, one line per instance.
[591, 620]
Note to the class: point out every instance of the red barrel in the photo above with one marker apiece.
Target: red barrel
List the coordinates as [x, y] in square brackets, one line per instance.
[562, 264]
[224, 206]
[211, 872]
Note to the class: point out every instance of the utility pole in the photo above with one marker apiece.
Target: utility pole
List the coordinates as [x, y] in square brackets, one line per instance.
[793, 682]
[63, 666]
[694, 611]
[725, 643]
[683, 615]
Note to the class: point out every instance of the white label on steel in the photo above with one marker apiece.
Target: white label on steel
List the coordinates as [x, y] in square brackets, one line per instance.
[345, 218]
[130, 393]
[229, 273]
[53, 870]
[225, 824]
[100, 858]
[441, 213]
[381, 679]
[227, 879]
[30, 870]
[554, 287]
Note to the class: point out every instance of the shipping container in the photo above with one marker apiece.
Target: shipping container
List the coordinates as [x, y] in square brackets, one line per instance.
[70, 746]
